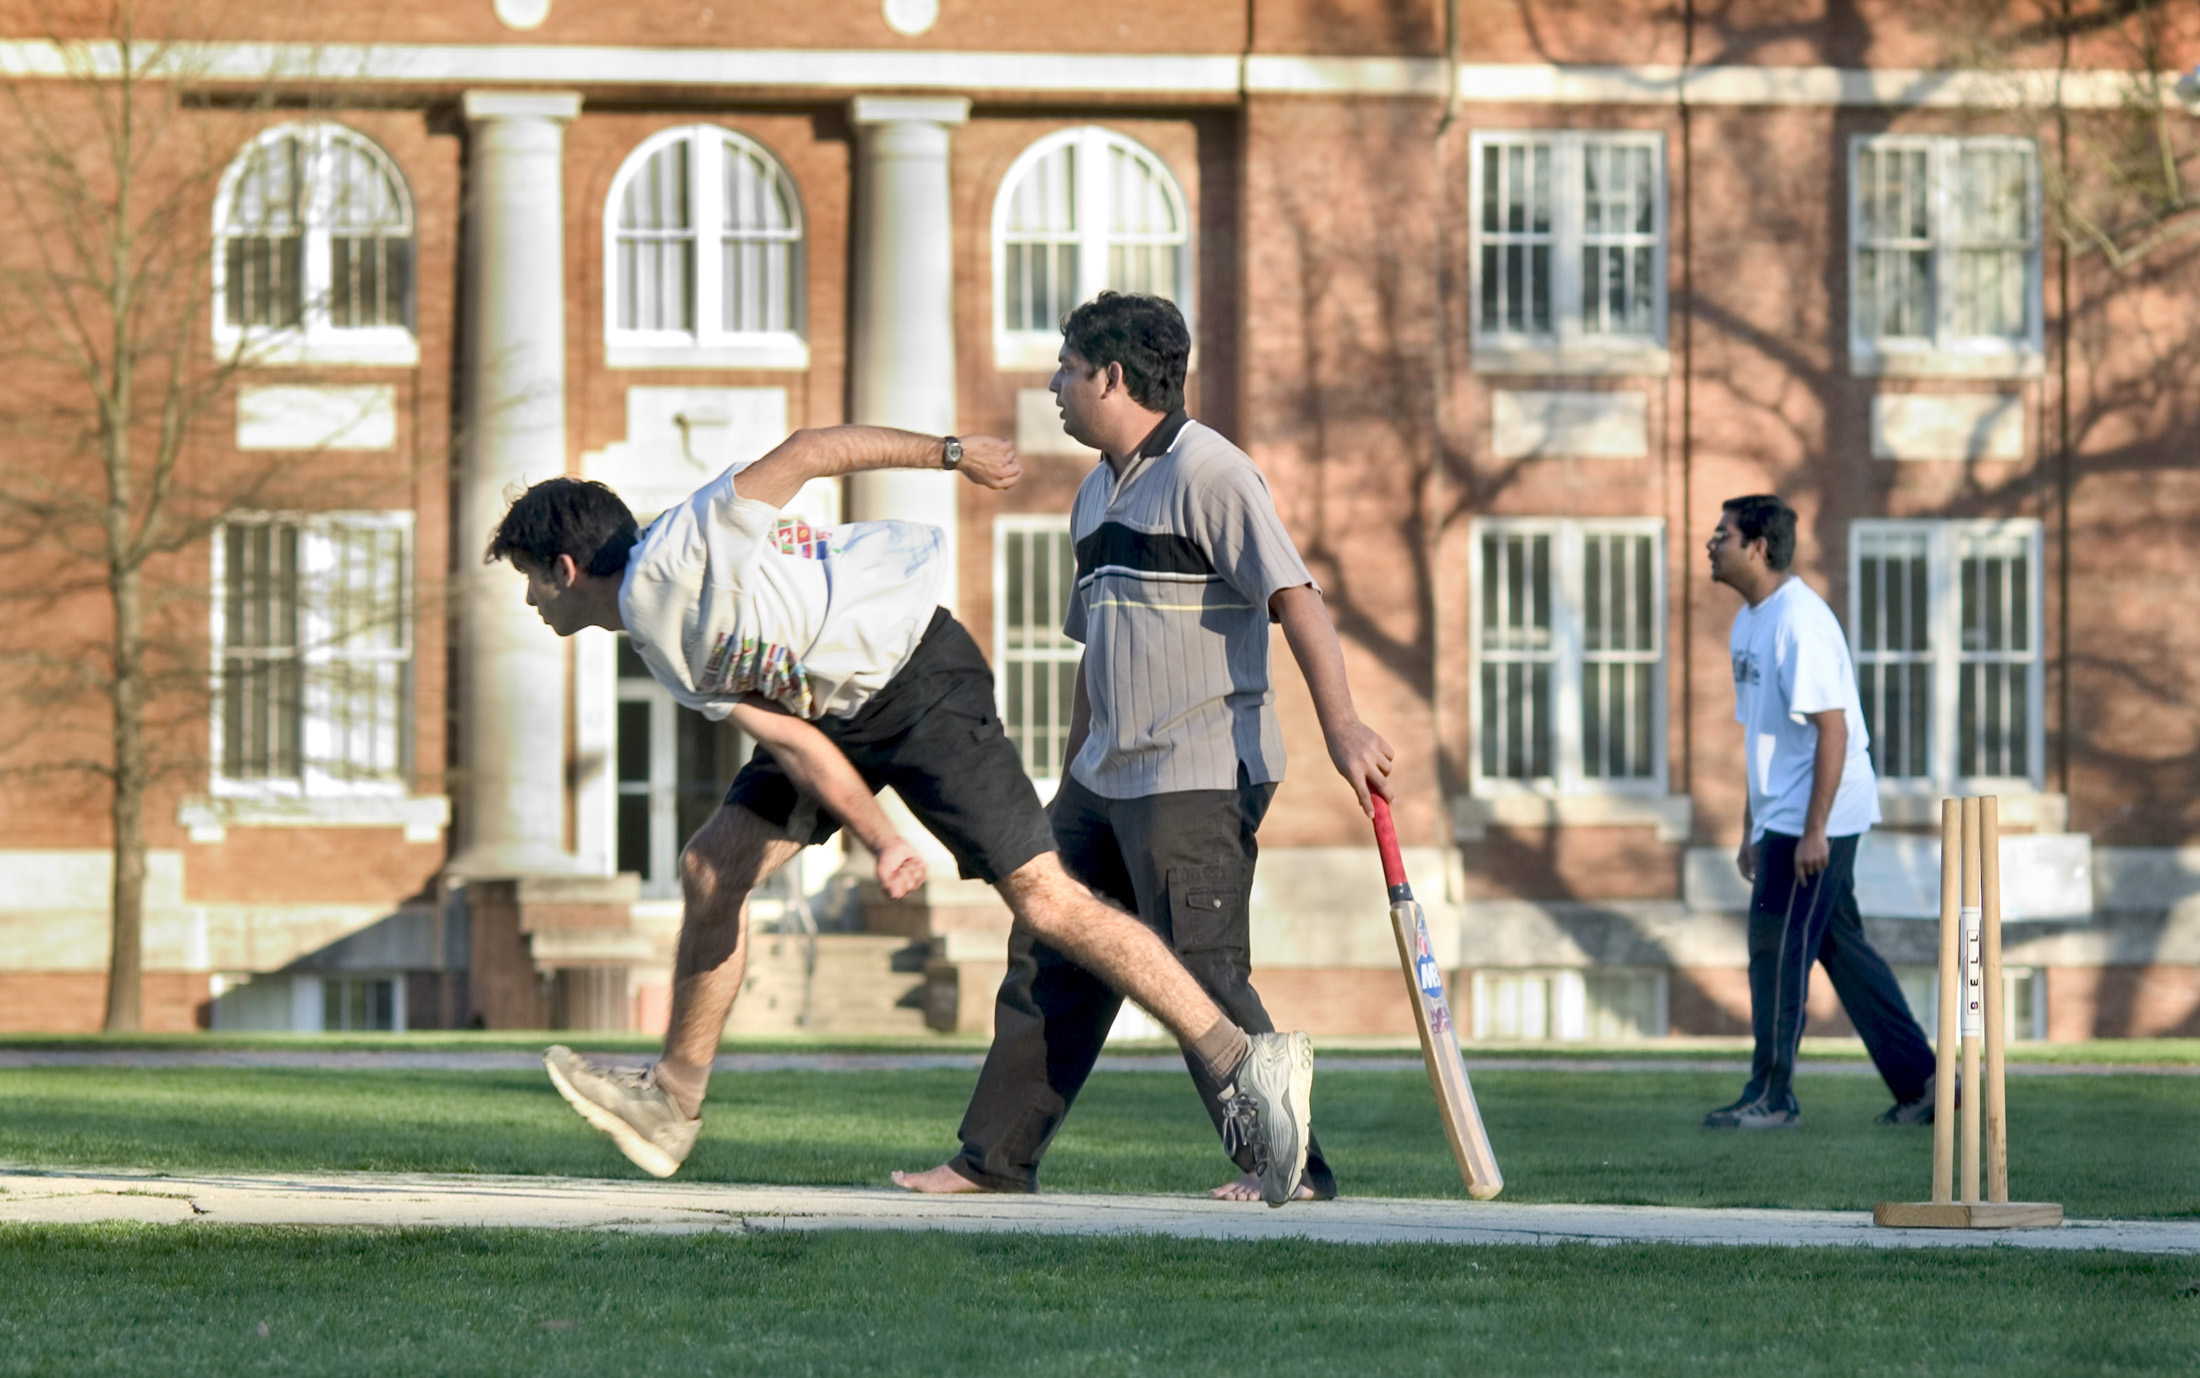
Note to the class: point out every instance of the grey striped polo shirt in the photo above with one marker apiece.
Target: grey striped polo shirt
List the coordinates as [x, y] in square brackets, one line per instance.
[1175, 565]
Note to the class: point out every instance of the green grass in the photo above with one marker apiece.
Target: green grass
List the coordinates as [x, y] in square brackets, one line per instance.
[231, 1301]
[2110, 1051]
[2113, 1145]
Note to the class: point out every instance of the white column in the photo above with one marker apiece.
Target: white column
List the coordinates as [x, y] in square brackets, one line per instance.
[511, 668]
[902, 342]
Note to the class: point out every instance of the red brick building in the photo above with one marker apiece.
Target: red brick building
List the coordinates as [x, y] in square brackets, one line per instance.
[1504, 299]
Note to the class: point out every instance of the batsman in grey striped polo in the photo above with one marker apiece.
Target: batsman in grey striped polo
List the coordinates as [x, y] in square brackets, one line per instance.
[1176, 562]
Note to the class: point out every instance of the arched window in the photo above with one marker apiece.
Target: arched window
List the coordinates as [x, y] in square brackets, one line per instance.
[314, 260]
[1082, 210]
[703, 255]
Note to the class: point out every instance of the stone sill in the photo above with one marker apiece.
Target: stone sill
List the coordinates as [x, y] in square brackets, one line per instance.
[782, 353]
[388, 346]
[2034, 810]
[422, 816]
[1036, 352]
[1640, 361]
[1867, 362]
[1672, 815]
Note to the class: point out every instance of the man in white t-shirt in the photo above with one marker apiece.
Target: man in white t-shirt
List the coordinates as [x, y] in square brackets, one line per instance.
[1812, 796]
[829, 647]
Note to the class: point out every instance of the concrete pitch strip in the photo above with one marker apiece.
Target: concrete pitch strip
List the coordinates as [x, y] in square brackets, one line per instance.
[367, 1200]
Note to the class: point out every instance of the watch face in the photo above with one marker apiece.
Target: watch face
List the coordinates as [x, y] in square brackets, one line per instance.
[951, 455]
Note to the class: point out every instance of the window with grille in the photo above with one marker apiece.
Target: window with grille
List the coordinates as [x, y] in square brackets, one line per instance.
[314, 256]
[312, 632]
[1079, 212]
[1569, 643]
[1569, 246]
[673, 767]
[1945, 254]
[703, 238]
[1945, 618]
[1035, 666]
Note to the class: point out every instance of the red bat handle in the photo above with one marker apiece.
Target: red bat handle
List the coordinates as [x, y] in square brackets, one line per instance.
[1386, 840]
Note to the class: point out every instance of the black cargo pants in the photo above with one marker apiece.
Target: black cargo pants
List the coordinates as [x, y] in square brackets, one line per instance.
[1183, 862]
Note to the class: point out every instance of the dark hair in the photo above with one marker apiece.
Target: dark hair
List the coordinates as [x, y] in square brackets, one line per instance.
[1764, 517]
[1144, 334]
[565, 516]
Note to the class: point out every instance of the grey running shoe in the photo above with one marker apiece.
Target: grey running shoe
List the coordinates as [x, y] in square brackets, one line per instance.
[1919, 1111]
[627, 1104]
[1266, 1107]
[1766, 1116]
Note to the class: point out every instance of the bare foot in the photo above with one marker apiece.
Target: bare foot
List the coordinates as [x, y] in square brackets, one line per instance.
[940, 1181]
[1247, 1188]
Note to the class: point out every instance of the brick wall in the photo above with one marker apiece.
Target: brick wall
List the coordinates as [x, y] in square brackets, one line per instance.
[76, 1001]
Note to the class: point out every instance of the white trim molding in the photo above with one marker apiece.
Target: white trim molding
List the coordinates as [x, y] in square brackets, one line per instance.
[1672, 815]
[208, 818]
[1176, 75]
[1345, 76]
[1899, 87]
[2041, 811]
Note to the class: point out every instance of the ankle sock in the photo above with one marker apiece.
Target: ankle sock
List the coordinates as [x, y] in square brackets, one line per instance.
[684, 1082]
[1222, 1048]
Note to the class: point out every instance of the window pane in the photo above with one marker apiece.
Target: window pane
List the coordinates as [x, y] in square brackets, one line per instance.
[1618, 238]
[1892, 648]
[657, 244]
[1034, 569]
[263, 284]
[371, 240]
[1517, 238]
[1619, 655]
[1145, 229]
[1994, 706]
[360, 675]
[1592, 594]
[1592, 721]
[633, 830]
[261, 690]
[1518, 674]
[762, 234]
[1893, 280]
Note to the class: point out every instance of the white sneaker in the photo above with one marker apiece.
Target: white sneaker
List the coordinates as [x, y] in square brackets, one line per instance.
[1267, 1106]
[628, 1104]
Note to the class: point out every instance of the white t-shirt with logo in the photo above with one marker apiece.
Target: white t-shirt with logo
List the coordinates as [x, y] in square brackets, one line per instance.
[1791, 660]
[726, 596]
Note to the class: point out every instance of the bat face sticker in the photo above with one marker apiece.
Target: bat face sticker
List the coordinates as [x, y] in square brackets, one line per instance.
[1430, 978]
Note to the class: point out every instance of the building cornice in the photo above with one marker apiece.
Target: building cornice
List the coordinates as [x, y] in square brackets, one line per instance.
[1215, 76]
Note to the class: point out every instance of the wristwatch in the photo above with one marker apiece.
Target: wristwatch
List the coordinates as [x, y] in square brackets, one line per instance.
[951, 454]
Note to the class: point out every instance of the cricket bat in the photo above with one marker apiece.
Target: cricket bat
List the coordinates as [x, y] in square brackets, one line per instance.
[1447, 1072]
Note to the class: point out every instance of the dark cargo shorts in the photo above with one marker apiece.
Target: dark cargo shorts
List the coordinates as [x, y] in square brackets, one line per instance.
[933, 735]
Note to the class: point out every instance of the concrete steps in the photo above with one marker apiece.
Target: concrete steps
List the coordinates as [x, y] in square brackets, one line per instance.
[861, 983]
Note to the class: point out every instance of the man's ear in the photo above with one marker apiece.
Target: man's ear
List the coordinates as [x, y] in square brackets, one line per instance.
[1114, 383]
[564, 572]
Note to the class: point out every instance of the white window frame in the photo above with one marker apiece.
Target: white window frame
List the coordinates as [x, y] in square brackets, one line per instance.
[1945, 354]
[1568, 347]
[710, 344]
[1030, 350]
[1568, 536]
[1944, 541]
[1045, 774]
[662, 879]
[315, 648]
[1569, 1007]
[315, 339]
